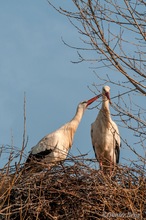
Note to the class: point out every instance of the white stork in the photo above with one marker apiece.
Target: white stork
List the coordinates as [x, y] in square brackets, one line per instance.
[105, 135]
[55, 146]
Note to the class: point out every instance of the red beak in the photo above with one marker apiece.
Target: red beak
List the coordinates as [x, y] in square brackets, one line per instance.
[108, 96]
[93, 99]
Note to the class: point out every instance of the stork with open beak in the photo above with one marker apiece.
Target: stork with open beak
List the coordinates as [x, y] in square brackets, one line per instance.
[55, 146]
[105, 135]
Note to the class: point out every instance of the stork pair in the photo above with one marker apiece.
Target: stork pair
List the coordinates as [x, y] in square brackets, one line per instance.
[55, 146]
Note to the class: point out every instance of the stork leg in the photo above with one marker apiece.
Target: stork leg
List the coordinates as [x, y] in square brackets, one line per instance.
[100, 164]
[111, 166]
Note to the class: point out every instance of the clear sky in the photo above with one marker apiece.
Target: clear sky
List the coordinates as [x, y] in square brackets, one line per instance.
[34, 60]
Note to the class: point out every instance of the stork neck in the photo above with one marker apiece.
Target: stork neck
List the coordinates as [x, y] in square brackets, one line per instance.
[77, 118]
[105, 109]
[105, 104]
[72, 125]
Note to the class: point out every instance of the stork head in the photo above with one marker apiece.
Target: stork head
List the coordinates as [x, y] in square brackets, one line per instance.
[85, 104]
[106, 93]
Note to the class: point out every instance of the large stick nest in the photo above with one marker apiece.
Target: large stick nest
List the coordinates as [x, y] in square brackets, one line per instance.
[73, 190]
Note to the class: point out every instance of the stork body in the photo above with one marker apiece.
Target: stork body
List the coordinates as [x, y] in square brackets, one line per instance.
[105, 135]
[55, 146]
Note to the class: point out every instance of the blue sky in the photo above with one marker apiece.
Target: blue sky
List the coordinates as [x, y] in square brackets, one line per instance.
[34, 60]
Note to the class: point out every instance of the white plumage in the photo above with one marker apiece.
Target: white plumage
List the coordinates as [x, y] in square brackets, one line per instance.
[55, 146]
[105, 135]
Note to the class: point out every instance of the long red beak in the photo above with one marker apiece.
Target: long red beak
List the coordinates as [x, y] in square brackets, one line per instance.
[93, 99]
[108, 96]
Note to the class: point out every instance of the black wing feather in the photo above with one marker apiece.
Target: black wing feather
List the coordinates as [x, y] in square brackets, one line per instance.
[117, 152]
[39, 155]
